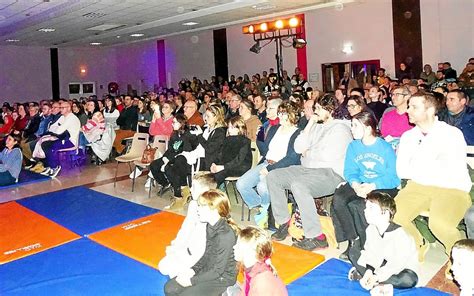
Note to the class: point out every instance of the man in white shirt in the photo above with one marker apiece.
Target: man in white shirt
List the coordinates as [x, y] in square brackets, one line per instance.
[432, 156]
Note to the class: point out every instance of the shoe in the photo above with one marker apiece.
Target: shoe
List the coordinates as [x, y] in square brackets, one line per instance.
[137, 173]
[37, 168]
[32, 164]
[261, 218]
[282, 232]
[46, 172]
[176, 204]
[54, 172]
[164, 189]
[422, 250]
[345, 255]
[310, 244]
[354, 275]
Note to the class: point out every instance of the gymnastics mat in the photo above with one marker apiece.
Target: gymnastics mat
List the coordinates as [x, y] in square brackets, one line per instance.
[144, 239]
[81, 267]
[24, 232]
[85, 211]
[27, 177]
[330, 278]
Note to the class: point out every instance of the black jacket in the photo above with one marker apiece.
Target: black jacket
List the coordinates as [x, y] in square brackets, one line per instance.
[212, 147]
[179, 143]
[31, 128]
[128, 118]
[218, 260]
[236, 154]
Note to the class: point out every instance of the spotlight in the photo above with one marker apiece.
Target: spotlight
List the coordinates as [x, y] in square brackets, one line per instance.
[299, 43]
[255, 48]
[294, 22]
[279, 24]
[263, 27]
[251, 29]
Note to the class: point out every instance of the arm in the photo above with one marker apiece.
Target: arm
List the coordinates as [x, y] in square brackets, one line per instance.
[390, 179]
[351, 170]
[291, 158]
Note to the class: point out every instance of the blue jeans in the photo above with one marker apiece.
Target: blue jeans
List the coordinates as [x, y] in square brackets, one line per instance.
[469, 220]
[6, 179]
[248, 181]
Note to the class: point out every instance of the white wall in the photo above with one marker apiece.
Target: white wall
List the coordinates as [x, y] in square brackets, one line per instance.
[367, 25]
[242, 61]
[137, 65]
[25, 74]
[447, 32]
[189, 55]
[99, 63]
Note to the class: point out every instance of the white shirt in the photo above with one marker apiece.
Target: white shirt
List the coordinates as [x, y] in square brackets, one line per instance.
[278, 146]
[435, 159]
[68, 123]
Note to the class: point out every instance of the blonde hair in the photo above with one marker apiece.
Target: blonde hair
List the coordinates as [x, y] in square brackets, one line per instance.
[262, 241]
[218, 112]
[239, 123]
[205, 179]
[216, 199]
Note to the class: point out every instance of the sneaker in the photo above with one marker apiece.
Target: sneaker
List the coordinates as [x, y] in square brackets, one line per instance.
[46, 172]
[354, 275]
[282, 232]
[137, 173]
[310, 244]
[54, 172]
[37, 168]
[176, 204]
[164, 189]
[261, 218]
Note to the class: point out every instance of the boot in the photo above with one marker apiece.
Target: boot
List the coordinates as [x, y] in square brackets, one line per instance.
[345, 255]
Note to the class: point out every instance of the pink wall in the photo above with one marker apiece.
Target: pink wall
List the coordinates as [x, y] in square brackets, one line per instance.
[25, 74]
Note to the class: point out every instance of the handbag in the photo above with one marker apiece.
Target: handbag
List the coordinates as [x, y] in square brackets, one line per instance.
[148, 154]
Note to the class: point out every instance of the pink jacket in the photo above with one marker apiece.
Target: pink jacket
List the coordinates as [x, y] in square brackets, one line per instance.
[160, 127]
[260, 280]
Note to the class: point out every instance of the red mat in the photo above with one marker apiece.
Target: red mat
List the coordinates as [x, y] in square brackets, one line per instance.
[24, 232]
[146, 239]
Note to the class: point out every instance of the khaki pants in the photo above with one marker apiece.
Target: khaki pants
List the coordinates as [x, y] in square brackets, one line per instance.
[119, 136]
[446, 209]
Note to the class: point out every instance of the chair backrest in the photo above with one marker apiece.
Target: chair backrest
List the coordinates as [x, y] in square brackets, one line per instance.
[160, 142]
[470, 156]
[255, 154]
[139, 143]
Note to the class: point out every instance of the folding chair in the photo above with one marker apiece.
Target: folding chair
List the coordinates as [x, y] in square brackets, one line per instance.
[139, 143]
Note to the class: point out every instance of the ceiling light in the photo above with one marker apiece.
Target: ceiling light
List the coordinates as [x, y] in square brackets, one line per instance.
[137, 35]
[47, 30]
[12, 40]
[95, 43]
[190, 24]
[299, 43]
[347, 48]
[264, 6]
[255, 48]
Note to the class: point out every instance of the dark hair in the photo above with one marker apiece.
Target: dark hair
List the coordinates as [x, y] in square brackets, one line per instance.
[429, 100]
[367, 119]
[384, 200]
[292, 109]
[461, 94]
[359, 90]
[328, 102]
[359, 101]
[183, 121]
[79, 106]
[113, 107]
[249, 104]
[17, 138]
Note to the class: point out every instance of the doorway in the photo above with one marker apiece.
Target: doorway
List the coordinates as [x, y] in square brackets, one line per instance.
[361, 71]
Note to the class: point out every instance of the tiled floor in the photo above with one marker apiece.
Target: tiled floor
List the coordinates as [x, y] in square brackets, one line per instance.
[101, 179]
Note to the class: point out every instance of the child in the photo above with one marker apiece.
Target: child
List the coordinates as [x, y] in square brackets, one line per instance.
[236, 155]
[188, 246]
[462, 256]
[253, 250]
[216, 270]
[389, 258]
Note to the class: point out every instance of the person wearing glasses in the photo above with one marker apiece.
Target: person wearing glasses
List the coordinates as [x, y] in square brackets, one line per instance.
[395, 122]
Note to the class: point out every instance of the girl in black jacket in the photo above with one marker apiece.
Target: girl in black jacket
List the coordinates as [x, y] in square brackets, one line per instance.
[236, 156]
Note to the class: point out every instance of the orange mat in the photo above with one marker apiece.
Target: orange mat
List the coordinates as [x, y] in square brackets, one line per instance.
[24, 232]
[143, 239]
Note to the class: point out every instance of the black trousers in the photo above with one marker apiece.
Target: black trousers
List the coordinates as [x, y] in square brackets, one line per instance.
[210, 288]
[175, 173]
[406, 279]
[347, 211]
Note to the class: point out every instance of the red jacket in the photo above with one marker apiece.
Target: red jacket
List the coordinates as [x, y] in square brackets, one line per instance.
[7, 125]
[259, 280]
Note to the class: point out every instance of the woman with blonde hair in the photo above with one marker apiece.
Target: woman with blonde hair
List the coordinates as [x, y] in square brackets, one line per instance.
[216, 270]
[253, 251]
[236, 156]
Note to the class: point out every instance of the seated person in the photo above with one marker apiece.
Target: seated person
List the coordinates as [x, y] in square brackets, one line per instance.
[92, 130]
[127, 121]
[111, 113]
[252, 122]
[172, 169]
[64, 133]
[22, 120]
[459, 114]
[192, 114]
[279, 153]
[32, 125]
[216, 270]
[8, 122]
[162, 121]
[10, 160]
[253, 251]
[374, 102]
[236, 155]
[395, 122]
[388, 256]
[462, 256]
[370, 164]
[189, 245]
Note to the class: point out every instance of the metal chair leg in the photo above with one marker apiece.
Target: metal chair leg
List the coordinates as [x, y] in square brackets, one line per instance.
[134, 176]
[235, 191]
[116, 171]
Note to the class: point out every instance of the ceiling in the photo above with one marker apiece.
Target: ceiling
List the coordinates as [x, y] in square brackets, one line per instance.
[111, 22]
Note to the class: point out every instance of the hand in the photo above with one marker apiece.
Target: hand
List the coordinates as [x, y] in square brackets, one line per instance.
[196, 131]
[264, 172]
[368, 187]
[184, 281]
[369, 280]
[216, 168]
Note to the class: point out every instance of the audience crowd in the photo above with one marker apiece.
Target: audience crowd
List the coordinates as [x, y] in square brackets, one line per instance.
[387, 152]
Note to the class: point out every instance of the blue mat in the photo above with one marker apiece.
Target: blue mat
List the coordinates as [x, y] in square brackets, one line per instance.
[27, 177]
[85, 211]
[330, 278]
[81, 267]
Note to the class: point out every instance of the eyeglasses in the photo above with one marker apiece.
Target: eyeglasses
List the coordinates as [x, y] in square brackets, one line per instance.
[398, 94]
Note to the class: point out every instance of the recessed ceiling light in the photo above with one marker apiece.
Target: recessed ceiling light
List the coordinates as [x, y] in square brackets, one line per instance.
[47, 30]
[190, 24]
[12, 40]
[118, 36]
[137, 35]
[95, 43]
[263, 6]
